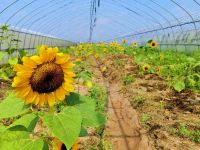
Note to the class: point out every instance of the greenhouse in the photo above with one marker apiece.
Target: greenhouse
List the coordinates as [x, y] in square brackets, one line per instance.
[99, 75]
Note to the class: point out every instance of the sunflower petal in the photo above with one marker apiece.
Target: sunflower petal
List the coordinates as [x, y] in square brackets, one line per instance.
[60, 94]
[37, 99]
[28, 62]
[61, 58]
[31, 97]
[51, 99]
[68, 79]
[24, 74]
[19, 67]
[68, 87]
[18, 82]
[52, 53]
[68, 73]
[43, 53]
[36, 59]
[67, 65]
[22, 92]
[42, 99]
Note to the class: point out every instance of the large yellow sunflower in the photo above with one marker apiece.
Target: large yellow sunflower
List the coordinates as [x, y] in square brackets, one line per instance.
[44, 78]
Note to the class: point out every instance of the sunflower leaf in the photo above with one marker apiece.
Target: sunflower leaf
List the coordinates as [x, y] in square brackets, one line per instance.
[12, 106]
[2, 128]
[2, 54]
[13, 61]
[65, 125]
[179, 86]
[87, 107]
[19, 140]
[29, 121]
[83, 132]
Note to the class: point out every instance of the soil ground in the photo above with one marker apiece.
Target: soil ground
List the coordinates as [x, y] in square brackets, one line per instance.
[158, 107]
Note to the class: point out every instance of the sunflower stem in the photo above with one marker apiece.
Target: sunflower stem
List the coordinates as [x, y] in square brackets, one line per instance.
[51, 110]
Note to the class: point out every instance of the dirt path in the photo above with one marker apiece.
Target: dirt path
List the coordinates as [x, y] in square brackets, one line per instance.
[122, 129]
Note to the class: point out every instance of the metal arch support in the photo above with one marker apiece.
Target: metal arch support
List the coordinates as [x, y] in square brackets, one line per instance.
[8, 6]
[19, 10]
[153, 18]
[45, 16]
[181, 7]
[29, 14]
[162, 16]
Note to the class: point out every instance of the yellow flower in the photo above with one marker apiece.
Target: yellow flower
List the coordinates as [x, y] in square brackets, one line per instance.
[158, 70]
[153, 44]
[161, 56]
[96, 55]
[146, 68]
[44, 78]
[105, 50]
[58, 145]
[123, 41]
[103, 69]
[134, 44]
[88, 84]
[78, 60]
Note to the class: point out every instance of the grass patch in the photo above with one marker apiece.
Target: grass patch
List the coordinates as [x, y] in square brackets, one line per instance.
[137, 101]
[185, 132]
[99, 93]
[145, 119]
[128, 79]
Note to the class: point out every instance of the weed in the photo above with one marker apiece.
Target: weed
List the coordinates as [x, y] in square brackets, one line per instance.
[99, 93]
[183, 131]
[145, 119]
[119, 62]
[137, 101]
[128, 79]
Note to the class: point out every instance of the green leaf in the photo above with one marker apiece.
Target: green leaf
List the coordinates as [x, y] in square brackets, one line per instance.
[92, 119]
[19, 140]
[23, 53]
[29, 121]
[13, 61]
[2, 128]
[3, 74]
[65, 125]
[83, 132]
[87, 107]
[12, 106]
[179, 86]
[2, 54]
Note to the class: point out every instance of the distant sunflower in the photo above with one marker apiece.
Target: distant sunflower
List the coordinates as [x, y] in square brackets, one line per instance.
[146, 68]
[134, 44]
[158, 70]
[78, 60]
[123, 41]
[153, 44]
[161, 56]
[58, 145]
[44, 78]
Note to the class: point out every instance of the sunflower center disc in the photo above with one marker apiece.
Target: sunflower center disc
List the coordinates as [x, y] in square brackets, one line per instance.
[47, 78]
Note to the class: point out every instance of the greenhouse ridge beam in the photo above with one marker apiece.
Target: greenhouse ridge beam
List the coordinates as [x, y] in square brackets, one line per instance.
[93, 16]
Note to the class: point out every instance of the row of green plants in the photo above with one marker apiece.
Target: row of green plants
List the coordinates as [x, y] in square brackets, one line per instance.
[181, 70]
